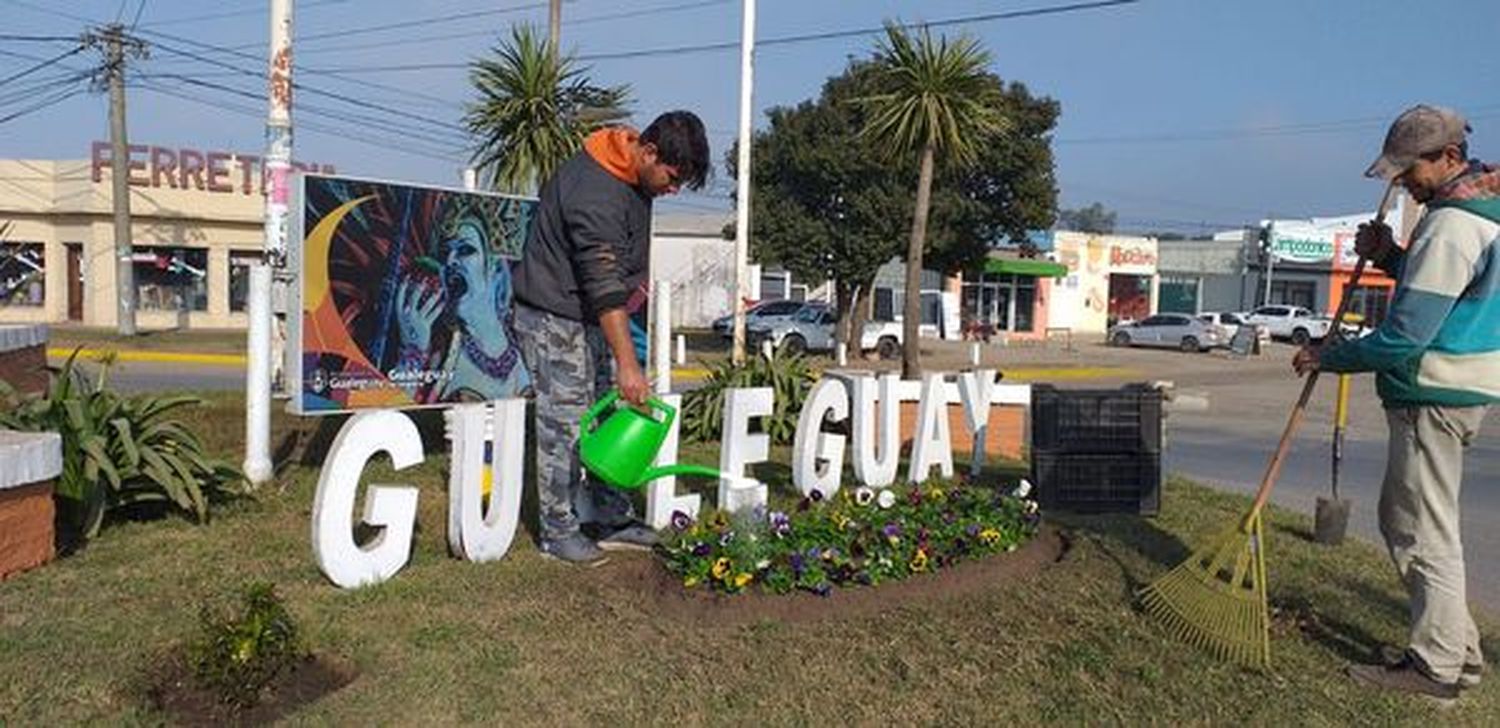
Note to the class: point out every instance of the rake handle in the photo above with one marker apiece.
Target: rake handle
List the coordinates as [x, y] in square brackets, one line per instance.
[1293, 421]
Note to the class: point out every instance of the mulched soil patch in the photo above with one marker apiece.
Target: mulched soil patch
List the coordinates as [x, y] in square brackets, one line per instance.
[639, 581]
[187, 704]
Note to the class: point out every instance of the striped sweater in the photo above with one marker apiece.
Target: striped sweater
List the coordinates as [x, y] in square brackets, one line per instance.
[1440, 342]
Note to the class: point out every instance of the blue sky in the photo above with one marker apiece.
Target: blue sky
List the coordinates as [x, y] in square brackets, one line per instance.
[1182, 115]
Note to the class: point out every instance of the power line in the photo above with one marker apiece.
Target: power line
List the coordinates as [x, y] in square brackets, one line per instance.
[773, 42]
[41, 65]
[398, 146]
[410, 23]
[299, 69]
[236, 13]
[319, 91]
[40, 38]
[652, 12]
[56, 99]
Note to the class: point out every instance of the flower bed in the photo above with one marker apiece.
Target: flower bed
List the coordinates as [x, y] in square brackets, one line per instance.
[859, 537]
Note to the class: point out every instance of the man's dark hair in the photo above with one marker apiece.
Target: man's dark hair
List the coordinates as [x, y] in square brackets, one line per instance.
[681, 142]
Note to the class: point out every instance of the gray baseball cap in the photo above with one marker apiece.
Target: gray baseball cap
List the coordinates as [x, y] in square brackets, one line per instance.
[1419, 130]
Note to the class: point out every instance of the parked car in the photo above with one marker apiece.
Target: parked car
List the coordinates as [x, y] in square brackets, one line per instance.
[1230, 322]
[765, 312]
[1294, 323]
[1170, 330]
[810, 329]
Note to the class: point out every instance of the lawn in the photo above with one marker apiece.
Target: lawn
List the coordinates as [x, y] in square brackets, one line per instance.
[528, 640]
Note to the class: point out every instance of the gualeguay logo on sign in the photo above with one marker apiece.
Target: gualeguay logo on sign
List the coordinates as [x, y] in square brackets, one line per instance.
[403, 295]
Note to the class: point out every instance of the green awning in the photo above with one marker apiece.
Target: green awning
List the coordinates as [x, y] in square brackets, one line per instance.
[1026, 267]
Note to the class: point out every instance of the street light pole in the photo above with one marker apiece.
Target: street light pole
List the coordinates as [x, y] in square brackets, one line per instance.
[278, 159]
[742, 184]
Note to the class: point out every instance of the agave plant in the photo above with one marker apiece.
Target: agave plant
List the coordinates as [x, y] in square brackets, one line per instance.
[121, 452]
[789, 377]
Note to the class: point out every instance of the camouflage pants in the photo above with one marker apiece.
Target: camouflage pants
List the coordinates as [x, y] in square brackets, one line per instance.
[571, 367]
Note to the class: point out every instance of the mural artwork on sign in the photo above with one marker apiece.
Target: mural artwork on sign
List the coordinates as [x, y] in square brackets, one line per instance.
[403, 295]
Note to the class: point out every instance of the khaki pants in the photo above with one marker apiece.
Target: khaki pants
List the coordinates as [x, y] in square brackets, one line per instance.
[1419, 519]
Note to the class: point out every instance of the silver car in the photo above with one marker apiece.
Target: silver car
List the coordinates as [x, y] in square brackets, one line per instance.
[1169, 330]
[810, 329]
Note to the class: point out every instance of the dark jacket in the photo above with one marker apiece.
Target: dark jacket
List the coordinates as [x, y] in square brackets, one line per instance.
[589, 245]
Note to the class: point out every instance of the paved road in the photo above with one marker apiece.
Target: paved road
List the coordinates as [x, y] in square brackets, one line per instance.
[1230, 442]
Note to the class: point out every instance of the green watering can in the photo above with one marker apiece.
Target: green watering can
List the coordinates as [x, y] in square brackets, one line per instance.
[619, 449]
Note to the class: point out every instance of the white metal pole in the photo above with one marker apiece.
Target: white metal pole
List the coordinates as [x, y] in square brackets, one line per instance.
[661, 335]
[278, 159]
[742, 184]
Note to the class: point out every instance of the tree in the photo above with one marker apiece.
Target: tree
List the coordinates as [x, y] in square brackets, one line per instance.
[829, 205]
[1095, 218]
[933, 97]
[533, 111]
[825, 206]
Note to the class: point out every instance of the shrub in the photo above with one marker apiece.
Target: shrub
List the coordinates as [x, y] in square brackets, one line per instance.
[859, 537]
[121, 452]
[788, 376]
[237, 654]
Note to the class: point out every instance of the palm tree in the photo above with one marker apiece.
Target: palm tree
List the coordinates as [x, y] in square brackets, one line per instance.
[934, 98]
[534, 111]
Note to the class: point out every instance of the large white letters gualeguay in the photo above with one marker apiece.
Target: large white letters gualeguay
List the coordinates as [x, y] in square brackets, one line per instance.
[393, 508]
[817, 456]
[876, 466]
[933, 443]
[474, 532]
[739, 448]
[661, 494]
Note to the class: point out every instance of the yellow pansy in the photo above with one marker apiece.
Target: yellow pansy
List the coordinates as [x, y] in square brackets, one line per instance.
[741, 579]
[989, 536]
[721, 568]
[919, 560]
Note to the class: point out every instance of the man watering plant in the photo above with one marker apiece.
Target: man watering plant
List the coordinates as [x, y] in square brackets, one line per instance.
[1437, 363]
[587, 252]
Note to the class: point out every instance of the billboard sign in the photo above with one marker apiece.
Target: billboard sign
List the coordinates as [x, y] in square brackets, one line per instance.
[403, 295]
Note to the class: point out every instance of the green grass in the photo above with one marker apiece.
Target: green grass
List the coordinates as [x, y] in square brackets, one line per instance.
[528, 640]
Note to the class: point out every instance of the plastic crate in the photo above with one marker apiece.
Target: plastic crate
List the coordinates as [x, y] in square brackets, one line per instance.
[1125, 420]
[1084, 483]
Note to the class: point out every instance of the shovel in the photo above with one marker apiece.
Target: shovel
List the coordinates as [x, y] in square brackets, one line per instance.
[1331, 519]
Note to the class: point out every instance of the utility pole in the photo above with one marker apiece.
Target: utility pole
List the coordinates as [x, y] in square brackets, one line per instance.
[742, 184]
[278, 161]
[554, 26]
[111, 39]
[1268, 238]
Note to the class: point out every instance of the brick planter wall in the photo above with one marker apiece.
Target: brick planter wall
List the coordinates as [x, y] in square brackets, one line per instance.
[1006, 436]
[28, 464]
[23, 357]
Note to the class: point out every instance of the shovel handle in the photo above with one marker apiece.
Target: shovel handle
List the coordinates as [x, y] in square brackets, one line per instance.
[1273, 468]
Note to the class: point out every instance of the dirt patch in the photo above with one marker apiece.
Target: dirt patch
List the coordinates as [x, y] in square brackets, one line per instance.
[187, 704]
[641, 581]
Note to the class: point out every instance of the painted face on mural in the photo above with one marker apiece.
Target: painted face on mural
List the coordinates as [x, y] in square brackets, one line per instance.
[465, 273]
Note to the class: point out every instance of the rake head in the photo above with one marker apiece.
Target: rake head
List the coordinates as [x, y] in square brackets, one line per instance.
[1217, 598]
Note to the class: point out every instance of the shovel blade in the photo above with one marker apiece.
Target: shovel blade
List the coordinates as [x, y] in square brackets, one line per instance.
[1331, 521]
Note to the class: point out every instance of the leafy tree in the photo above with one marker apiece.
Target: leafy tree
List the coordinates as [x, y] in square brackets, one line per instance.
[533, 111]
[933, 97]
[1095, 218]
[828, 204]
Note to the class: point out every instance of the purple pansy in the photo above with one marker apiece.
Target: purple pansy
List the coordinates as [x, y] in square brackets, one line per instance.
[701, 549]
[681, 521]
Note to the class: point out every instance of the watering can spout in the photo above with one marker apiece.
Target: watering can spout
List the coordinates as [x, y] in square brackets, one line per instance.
[679, 469]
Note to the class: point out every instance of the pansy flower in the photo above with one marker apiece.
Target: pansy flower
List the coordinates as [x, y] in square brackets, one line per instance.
[989, 536]
[701, 549]
[919, 560]
[863, 496]
[721, 568]
[741, 579]
[886, 499]
[681, 521]
[781, 525]
[727, 538]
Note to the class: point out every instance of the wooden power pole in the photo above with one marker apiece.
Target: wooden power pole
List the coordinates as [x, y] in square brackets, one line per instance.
[116, 46]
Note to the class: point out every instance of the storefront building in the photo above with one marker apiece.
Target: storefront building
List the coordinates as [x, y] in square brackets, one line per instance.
[1207, 275]
[1110, 278]
[196, 227]
[1309, 264]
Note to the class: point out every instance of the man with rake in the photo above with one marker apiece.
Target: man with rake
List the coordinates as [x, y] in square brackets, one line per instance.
[1436, 358]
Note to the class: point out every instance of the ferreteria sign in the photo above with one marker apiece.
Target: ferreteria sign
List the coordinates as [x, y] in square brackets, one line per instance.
[191, 169]
[483, 531]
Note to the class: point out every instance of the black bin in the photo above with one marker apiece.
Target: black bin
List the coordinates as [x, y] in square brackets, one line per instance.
[1099, 483]
[1124, 420]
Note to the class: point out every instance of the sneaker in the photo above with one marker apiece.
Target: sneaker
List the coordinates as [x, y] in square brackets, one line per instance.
[630, 537]
[1473, 672]
[1408, 675]
[574, 549]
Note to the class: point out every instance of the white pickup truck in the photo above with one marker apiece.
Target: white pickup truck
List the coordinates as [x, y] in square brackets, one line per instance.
[1295, 323]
